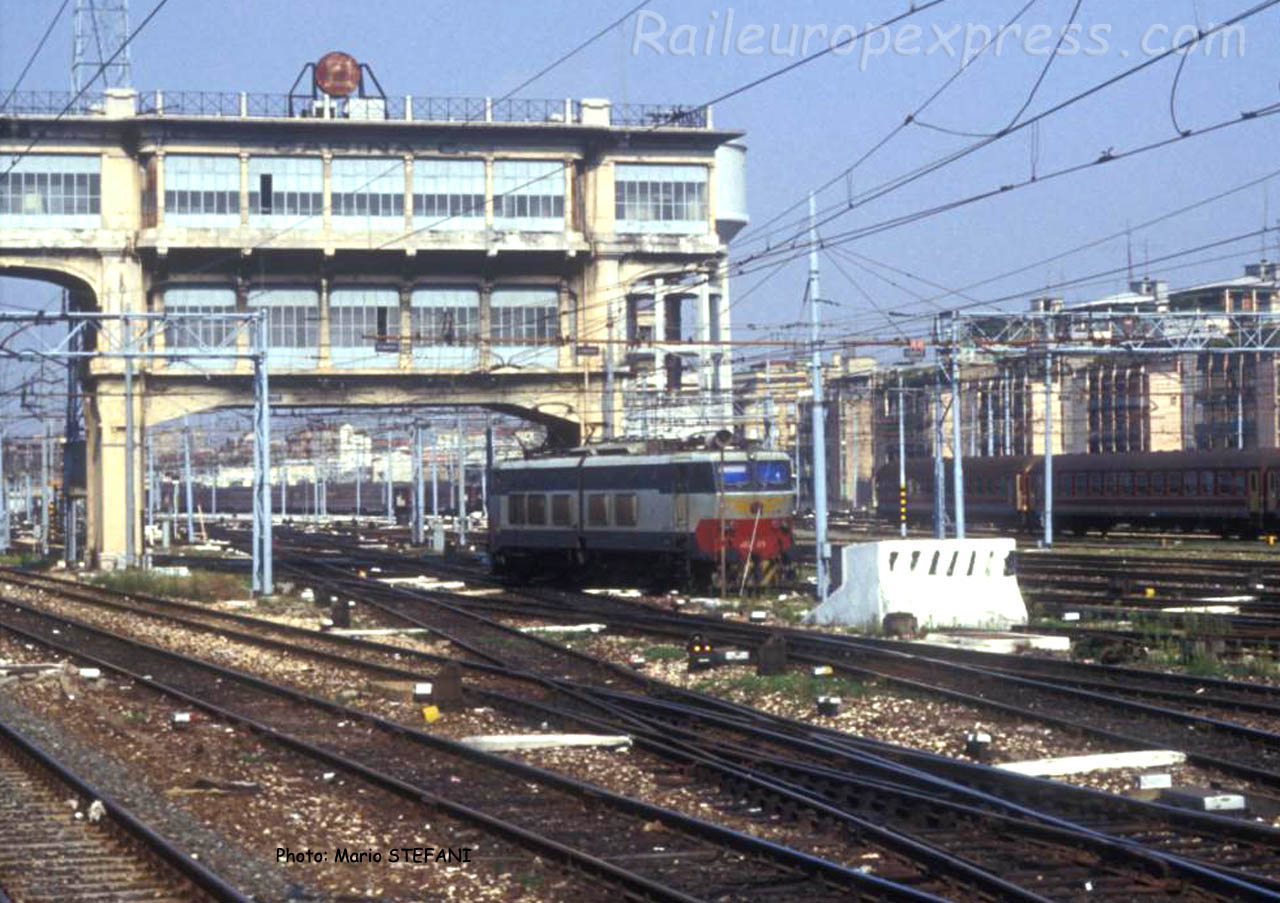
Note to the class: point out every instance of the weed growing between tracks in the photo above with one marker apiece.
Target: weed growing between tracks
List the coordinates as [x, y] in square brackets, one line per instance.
[201, 586]
[751, 688]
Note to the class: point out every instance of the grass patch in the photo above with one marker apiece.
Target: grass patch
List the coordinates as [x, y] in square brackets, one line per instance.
[664, 653]
[200, 586]
[802, 687]
[26, 560]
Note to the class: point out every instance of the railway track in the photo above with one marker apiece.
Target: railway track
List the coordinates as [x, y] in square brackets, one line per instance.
[598, 832]
[53, 853]
[1034, 857]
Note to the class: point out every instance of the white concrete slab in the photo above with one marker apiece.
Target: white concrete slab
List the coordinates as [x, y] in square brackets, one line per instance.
[513, 742]
[1144, 758]
[1004, 643]
[565, 628]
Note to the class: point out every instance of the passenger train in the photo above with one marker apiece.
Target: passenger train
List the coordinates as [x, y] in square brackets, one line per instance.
[1230, 492]
[657, 514]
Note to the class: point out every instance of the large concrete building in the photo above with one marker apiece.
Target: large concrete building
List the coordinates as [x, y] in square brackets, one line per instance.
[519, 255]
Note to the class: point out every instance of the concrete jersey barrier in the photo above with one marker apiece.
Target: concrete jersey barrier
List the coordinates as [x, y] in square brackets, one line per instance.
[944, 583]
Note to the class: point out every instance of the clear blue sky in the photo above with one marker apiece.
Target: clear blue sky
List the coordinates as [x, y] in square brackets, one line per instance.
[808, 125]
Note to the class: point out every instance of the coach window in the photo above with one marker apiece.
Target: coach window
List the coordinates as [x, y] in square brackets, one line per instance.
[598, 510]
[1206, 482]
[1081, 484]
[1225, 483]
[1126, 483]
[1141, 483]
[624, 509]
[537, 509]
[1109, 487]
[1188, 483]
[1157, 483]
[561, 511]
[515, 509]
[1095, 484]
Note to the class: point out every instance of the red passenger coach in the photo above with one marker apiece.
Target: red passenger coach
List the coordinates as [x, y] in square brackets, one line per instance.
[1230, 492]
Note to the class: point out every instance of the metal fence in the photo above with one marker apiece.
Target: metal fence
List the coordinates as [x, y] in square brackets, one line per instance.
[408, 108]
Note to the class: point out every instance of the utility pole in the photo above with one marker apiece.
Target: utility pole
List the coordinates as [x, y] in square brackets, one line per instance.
[462, 486]
[150, 486]
[186, 476]
[1048, 448]
[4, 501]
[416, 528]
[939, 471]
[130, 553]
[902, 460]
[359, 461]
[435, 477]
[391, 514]
[284, 489]
[957, 442]
[819, 410]
[46, 489]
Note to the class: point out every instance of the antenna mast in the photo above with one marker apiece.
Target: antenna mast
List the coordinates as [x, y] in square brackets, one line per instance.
[100, 29]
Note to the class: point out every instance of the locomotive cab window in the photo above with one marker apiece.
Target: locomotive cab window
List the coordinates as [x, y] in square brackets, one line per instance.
[598, 510]
[735, 475]
[773, 474]
[624, 509]
[515, 509]
[561, 511]
[537, 509]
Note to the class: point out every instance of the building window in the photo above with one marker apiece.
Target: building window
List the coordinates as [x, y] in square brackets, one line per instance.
[293, 317]
[56, 190]
[523, 317]
[537, 509]
[366, 190]
[660, 198]
[515, 509]
[528, 195]
[598, 510]
[624, 509]
[202, 191]
[199, 332]
[364, 326]
[448, 194]
[290, 187]
[561, 511]
[445, 316]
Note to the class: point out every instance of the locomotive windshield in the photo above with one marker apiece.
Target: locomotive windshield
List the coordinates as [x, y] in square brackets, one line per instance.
[742, 475]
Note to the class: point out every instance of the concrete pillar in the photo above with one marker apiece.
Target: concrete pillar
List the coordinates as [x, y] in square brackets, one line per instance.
[486, 325]
[106, 518]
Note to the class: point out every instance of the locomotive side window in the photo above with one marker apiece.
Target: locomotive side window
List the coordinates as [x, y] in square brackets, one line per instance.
[624, 509]
[561, 511]
[773, 474]
[598, 510]
[537, 509]
[515, 509]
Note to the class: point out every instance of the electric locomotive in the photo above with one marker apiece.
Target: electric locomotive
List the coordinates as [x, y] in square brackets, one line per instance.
[657, 514]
